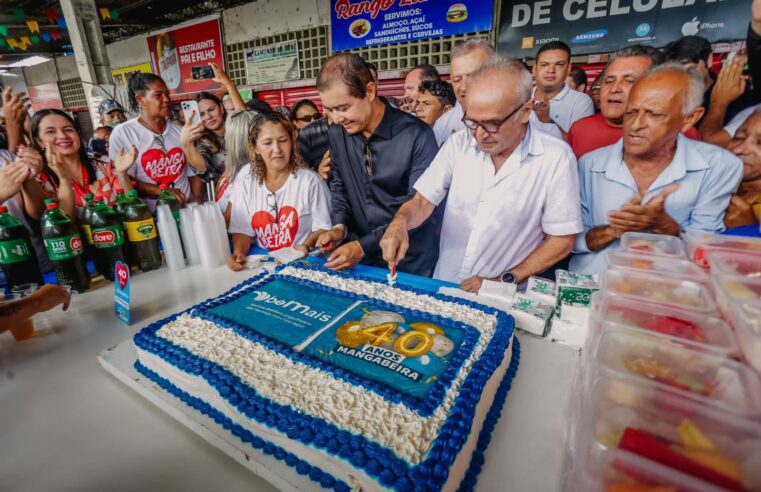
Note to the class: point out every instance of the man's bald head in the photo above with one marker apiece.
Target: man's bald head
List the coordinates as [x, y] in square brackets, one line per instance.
[663, 103]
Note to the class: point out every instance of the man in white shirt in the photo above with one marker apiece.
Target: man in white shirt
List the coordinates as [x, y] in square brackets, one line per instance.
[557, 106]
[512, 191]
[465, 59]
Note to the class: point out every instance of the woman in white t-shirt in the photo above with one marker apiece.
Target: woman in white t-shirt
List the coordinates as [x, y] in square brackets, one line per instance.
[276, 199]
[160, 158]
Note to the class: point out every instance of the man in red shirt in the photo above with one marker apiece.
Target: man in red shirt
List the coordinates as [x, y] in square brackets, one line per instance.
[606, 127]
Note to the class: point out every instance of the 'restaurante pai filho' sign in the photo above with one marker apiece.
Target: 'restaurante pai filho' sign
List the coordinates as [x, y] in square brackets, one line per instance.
[362, 23]
[594, 26]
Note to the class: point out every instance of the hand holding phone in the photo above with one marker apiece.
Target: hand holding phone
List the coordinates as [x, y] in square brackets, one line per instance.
[190, 111]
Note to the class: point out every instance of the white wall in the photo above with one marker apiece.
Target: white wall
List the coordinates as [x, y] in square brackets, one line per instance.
[46, 73]
[268, 17]
[127, 52]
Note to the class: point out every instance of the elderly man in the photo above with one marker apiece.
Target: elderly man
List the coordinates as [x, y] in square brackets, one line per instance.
[377, 154]
[415, 77]
[512, 210]
[435, 98]
[654, 179]
[606, 128]
[745, 207]
[557, 106]
[465, 59]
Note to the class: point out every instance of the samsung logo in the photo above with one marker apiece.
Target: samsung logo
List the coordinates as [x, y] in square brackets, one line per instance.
[588, 37]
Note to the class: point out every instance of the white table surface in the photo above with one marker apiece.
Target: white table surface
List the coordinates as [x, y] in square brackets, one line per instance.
[68, 425]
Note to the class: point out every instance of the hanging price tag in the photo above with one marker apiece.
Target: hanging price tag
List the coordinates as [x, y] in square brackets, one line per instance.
[121, 292]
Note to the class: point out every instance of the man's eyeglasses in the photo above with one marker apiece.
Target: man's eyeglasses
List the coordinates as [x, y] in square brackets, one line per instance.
[310, 117]
[490, 126]
[272, 204]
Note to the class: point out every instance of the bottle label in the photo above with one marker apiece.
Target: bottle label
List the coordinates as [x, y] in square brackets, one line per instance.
[14, 251]
[108, 237]
[140, 231]
[88, 233]
[64, 247]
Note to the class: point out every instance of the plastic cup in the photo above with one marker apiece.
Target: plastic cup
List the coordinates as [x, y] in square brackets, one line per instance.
[24, 289]
[25, 329]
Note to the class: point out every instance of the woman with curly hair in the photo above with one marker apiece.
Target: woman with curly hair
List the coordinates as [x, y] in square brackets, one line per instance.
[276, 198]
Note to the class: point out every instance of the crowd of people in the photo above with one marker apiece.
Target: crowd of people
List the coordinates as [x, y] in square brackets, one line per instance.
[502, 172]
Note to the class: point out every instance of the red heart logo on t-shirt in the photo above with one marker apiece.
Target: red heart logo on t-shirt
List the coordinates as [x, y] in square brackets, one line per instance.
[163, 167]
[122, 274]
[273, 234]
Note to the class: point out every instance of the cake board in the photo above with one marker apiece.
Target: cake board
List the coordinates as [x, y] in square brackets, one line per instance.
[119, 361]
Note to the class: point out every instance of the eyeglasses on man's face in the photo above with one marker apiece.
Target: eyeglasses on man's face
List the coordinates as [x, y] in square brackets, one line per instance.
[490, 126]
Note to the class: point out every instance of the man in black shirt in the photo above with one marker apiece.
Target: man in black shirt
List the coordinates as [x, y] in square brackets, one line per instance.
[377, 154]
[313, 142]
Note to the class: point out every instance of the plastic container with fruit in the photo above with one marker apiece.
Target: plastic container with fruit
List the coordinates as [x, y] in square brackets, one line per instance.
[700, 244]
[659, 288]
[621, 471]
[697, 440]
[735, 264]
[723, 383]
[732, 290]
[659, 265]
[699, 332]
[746, 318]
[653, 244]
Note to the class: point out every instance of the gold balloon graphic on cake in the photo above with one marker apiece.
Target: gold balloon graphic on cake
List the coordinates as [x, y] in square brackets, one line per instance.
[441, 344]
[385, 329]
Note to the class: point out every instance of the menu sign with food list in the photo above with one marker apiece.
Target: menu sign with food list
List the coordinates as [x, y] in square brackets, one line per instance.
[363, 23]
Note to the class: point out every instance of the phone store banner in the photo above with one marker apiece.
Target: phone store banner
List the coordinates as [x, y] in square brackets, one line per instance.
[363, 23]
[594, 26]
[176, 51]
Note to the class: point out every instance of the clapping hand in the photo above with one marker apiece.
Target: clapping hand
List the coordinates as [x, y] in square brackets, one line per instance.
[634, 216]
[125, 160]
[12, 177]
[55, 165]
[31, 158]
[15, 106]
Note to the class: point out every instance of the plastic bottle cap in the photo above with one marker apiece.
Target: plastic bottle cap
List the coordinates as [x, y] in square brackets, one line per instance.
[52, 205]
[118, 189]
[89, 196]
[132, 193]
[98, 198]
[48, 201]
[3, 209]
[162, 186]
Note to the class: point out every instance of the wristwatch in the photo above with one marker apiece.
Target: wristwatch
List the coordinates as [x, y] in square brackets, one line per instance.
[508, 277]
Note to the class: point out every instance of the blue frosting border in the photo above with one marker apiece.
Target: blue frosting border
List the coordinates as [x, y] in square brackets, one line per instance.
[425, 407]
[376, 461]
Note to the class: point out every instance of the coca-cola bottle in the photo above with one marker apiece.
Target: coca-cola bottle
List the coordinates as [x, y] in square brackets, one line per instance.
[64, 247]
[17, 257]
[108, 236]
[84, 225]
[141, 233]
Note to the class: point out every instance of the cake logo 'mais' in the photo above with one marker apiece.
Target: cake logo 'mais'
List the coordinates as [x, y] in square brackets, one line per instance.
[292, 306]
[399, 350]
